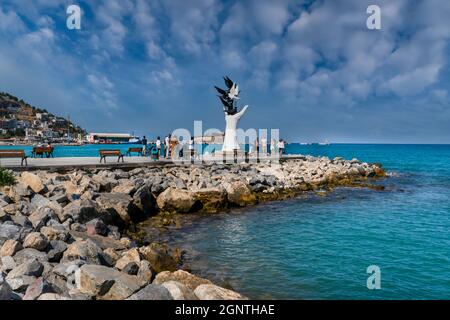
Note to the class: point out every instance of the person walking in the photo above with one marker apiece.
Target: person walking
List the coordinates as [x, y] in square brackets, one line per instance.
[257, 145]
[158, 146]
[144, 145]
[167, 146]
[281, 147]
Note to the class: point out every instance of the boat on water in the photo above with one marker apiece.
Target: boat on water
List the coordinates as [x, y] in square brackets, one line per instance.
[325, 143]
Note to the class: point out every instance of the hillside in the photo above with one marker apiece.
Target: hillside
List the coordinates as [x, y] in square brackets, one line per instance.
[19, 119]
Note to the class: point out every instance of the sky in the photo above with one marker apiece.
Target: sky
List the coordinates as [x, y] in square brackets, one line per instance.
[311, 69]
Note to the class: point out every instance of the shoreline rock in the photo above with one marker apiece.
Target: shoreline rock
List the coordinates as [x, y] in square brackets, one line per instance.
[70, 235]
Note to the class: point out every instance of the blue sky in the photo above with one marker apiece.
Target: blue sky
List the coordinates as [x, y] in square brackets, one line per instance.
[310, 68]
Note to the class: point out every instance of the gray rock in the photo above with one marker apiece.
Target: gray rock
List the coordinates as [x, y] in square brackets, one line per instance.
[213, 292]
[20, 284]
[179, 291]
[144, 201]
[7, 264]
[117, 204]
[21, 220]
[9, 231]
[28, 268]
[57, 250]
[131, 268]
[152, 292]
[5, 291]
[85, 250]
[83, 211]
[29, 254]
[36, 240]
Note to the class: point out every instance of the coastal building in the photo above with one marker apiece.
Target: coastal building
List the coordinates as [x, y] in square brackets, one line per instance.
[108, 137]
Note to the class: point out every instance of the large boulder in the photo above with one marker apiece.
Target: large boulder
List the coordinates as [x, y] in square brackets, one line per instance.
[120, 204]
[32, 181]
[212, 200]
[85, 250]
[106, 283]
[5, 291]
[28, 254]
[9, 231]
[152, 292]
[179, 291]
[181, 276]
[174, 200]
[28, 268]
[159, 257]
[213, 292]
[239, 193]
[37, 288]
[83, 211]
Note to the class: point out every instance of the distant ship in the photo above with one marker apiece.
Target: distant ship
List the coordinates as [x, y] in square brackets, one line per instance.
[326, 143]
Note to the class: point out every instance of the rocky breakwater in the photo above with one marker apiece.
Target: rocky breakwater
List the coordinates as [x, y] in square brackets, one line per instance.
[64, 235]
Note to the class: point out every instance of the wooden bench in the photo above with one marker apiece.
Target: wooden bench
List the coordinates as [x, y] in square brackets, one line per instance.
[137, 150]
[14, 154]
[48, 151]
[110, 153]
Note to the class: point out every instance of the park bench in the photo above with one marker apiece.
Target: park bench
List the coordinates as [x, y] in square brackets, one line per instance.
[110, 153]
[136, 150]
[14, 154]
[41, 151]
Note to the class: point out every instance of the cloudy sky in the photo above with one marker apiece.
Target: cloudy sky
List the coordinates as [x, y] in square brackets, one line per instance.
[310, 68]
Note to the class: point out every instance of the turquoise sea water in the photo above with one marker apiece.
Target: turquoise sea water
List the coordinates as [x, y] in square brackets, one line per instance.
[320, 247]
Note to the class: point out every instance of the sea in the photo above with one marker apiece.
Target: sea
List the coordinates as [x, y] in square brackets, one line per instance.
[327, 247]
[322, 247]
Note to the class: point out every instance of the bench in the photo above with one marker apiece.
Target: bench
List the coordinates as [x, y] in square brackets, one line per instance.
[40, 151]
[14, 154]
[137, 150]
[110, 153]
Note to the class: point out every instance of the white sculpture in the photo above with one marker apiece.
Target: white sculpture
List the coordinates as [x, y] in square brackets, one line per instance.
[232, 116]
[230, 142]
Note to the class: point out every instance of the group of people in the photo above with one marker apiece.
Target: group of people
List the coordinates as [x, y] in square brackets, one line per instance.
[274, 146]
[168, 147]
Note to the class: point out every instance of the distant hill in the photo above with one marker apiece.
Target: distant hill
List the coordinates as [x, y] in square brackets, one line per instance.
[18, 119]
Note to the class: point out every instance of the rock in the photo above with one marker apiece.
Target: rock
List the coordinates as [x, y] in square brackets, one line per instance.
[19, 191]
[126, 188]
[159, 257]
[83, 211]
[96, 226]
[129, 256]
[85, 250]
[7, 264]
[102, 242]
[174, 200]
[10, 247]
[131, 268]
[20, 284]
[145, 273]
[28, 254]
[213, 292]
[52, 296]
[57, 250]
[145, 202]
[32, 181]
[9, 231]
[106, 283]
[152, 292]
[239, 193]
[55, 233]
[179, 291]
[117, 204]
[21, 220]
[40, 217]
[184, 277]
[36, 240]
[212, 200]
[112, 255]
[37, 288]
[28, 268]
[5, 291]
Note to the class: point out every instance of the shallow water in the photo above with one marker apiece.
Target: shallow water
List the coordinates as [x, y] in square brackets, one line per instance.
[317, 247]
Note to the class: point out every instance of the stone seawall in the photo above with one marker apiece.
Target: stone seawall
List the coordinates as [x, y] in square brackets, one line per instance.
[63, 235]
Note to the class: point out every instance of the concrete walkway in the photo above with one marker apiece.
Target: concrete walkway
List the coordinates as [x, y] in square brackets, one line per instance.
[70, 163]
